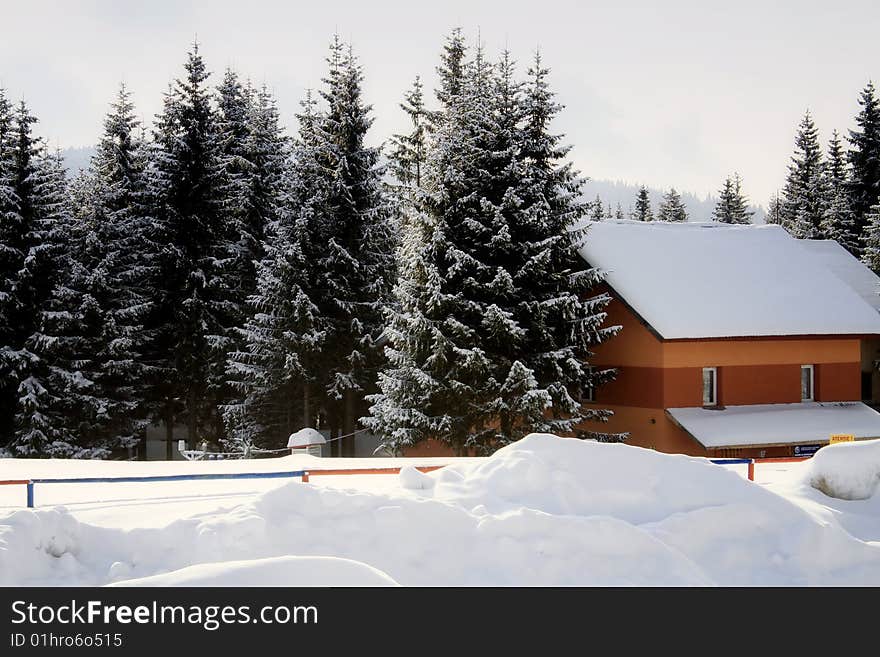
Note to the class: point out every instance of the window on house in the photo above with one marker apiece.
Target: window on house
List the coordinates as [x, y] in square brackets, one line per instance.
[807, 382]
[710, 386]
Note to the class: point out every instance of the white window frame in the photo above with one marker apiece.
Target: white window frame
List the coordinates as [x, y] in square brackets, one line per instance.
[714, 401]
[812, 370]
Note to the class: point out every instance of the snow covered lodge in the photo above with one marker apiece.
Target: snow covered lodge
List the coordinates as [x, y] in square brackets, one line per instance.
[736, 340]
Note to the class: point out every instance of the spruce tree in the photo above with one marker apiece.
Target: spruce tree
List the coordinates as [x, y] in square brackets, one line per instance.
[252, 160]
[451, 73]
[732, 206]
[672, 208]
[35, 433]
[774, 211]
[864, 158]
[310, 344]
[642, 211]
[871, 240]
[804, 197]
[618, 213]
[838, 222]
[29, 254]
[10, 264]
[359, 264]
[597, 210]
[275, 371]
[490, 284]
[408, 156]
[92, 332]
[191, 297]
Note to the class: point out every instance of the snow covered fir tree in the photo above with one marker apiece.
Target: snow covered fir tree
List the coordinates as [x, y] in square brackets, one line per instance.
[642, 210]
[91, 333]
[672, 208]
[310, 344]
[491, 332]
[732, 206]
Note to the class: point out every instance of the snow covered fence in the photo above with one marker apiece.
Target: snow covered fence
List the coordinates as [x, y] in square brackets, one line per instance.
[187, 477]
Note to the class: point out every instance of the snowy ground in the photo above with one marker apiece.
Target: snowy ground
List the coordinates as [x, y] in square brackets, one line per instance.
[545, 511]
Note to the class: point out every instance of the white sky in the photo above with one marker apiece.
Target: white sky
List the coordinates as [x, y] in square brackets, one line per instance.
[673, 93]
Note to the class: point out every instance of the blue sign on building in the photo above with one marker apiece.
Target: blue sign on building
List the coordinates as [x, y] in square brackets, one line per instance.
[806, 450]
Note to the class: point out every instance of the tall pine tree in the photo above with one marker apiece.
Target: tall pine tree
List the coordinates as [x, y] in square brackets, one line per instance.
[35, 432]
[492, 326]
[191, 296]
[838, 222]
[30, 253]
[323, 286]
[92, 332]
[864, 158]
[871, 240]
[408, 156]
[804, 197]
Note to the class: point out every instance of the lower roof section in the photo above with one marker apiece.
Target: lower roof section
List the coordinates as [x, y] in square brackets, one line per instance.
[764, 425]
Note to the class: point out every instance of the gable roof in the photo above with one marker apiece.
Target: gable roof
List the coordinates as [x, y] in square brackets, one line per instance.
[711, 280]
[847, 268]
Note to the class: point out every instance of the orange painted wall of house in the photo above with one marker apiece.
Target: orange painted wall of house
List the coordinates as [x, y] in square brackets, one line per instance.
[838, 382]
[683, 386]
[648, 427]
[677, 387]
[635, 345]
[758, 384]
[634, 386]
[657, 374]
[759, 351]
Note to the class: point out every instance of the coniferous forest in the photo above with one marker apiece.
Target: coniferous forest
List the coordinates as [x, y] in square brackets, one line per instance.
[210, 271]
[834, 194]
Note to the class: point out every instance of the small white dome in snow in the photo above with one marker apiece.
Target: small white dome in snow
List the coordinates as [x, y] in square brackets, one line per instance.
[305, 437]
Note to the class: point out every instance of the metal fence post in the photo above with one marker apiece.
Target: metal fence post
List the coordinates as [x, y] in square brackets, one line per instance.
[30, 494]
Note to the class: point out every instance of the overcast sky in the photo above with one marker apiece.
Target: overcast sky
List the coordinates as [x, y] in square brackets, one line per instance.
[671, 93]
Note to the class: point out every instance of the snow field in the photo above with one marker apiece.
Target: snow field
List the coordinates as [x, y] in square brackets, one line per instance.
[543, 511]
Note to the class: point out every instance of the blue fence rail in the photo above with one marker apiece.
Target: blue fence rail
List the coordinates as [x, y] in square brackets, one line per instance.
[130, 480]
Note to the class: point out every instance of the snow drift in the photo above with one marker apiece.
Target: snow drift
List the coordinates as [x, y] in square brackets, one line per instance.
[847, 471]
[544, 511]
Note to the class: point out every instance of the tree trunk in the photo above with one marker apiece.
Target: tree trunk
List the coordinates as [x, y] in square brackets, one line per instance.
[307, 413]
[169, 435]
[348, 424]
[191, 421]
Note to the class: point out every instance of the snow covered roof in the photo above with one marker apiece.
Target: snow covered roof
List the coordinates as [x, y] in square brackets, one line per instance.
[712, 280]
[305, 438]
[847, 268]
[777, 424]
